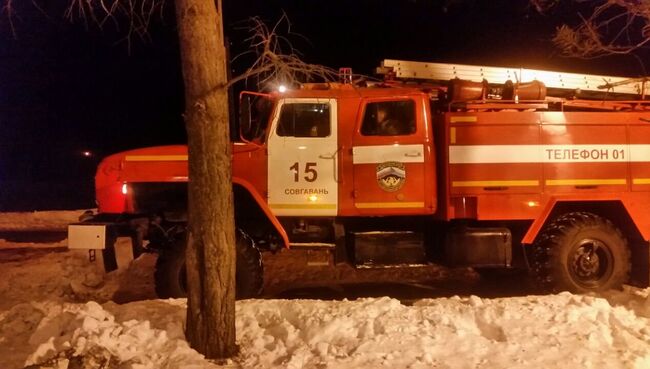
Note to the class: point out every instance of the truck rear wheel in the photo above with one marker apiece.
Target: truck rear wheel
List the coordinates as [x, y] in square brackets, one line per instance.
[170, 275]
[580, 252]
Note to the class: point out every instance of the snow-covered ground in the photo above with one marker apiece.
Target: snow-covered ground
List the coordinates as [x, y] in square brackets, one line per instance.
[38, 220]
[52, 222]
[54, 312]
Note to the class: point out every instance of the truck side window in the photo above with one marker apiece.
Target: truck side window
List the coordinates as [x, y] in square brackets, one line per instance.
[389, 118]
[304, 120]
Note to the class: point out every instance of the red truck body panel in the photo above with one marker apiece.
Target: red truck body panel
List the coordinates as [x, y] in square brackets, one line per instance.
[499, 165]
[518, 165]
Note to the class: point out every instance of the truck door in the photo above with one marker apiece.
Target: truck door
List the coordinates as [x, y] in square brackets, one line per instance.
[388, 158]
[303, 158]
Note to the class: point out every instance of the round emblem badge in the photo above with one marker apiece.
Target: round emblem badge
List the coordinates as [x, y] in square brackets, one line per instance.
[391, 176]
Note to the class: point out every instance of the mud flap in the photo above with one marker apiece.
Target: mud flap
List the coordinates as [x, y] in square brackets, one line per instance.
[640, 255]
[108, 253]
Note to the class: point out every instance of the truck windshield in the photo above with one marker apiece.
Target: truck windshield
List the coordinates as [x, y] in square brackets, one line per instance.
[254, 112]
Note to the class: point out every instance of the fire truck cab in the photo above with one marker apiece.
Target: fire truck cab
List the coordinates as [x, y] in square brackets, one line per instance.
[481, 174]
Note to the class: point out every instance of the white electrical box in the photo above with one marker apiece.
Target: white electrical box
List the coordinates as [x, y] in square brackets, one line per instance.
[87, 236]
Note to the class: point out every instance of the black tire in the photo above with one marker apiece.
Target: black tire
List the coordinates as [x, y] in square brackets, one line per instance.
[580, 252]
[169, 276]
[249, 276]
[170, 270]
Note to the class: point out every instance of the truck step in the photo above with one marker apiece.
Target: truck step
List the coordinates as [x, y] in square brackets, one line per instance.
[389, 248]
[312, 246]
[391, 266]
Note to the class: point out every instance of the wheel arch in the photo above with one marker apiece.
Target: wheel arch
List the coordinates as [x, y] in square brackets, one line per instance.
[249, 205]
[250, 208]
[616, 212]
[613, 210]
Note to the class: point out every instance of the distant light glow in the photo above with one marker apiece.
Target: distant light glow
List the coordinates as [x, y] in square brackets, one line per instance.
[282, 88]
[87, 154]
[313, 198]
[125, 189]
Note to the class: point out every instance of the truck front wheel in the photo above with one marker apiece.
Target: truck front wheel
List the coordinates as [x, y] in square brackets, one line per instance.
[580, 252]
[170, 275]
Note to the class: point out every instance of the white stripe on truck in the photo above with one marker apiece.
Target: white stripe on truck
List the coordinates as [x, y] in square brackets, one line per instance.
[484, 154]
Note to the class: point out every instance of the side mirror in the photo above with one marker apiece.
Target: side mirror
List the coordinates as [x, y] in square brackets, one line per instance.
[254, 113]
[245, 118]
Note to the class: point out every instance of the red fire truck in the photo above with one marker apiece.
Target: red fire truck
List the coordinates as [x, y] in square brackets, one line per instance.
[453, 164]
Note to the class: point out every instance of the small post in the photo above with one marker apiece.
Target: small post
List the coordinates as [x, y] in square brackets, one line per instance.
[345, 75]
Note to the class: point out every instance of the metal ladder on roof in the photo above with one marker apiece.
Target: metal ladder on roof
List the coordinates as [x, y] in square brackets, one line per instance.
[613, 85]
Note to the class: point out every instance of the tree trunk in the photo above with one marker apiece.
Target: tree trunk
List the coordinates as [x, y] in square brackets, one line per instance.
[211, 239]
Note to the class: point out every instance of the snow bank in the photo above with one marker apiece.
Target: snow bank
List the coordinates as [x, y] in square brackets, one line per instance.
[39, 323]
[36, 284]
[69, 277]
[38, 220]
[4, 244]
[91, 331]
[559, 331]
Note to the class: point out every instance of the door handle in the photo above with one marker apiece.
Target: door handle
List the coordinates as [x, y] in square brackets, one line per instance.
[413, 154]
[495, 188]
[333, 156]
[334, 161]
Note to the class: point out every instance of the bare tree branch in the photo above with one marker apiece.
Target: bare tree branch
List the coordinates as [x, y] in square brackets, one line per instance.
[277, 60]
[542, 6]
[8, 11]
[136, 14]
[614, 27]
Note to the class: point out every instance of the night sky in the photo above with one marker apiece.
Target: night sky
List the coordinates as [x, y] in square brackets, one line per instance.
[67, 88]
